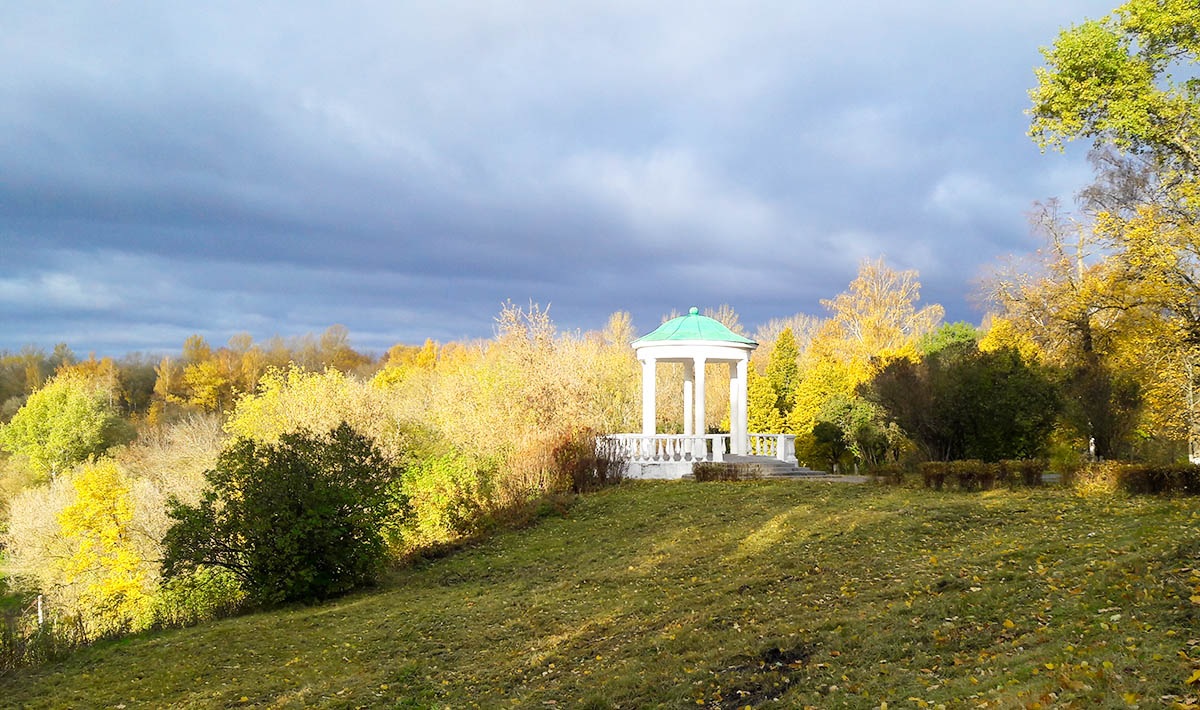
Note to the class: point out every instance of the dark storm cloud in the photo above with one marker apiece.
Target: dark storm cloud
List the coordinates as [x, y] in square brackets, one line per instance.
[404, 169]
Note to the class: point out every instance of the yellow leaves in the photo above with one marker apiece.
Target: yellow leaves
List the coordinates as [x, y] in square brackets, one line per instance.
[1194, 678]
[1004, 333]
[209, 385]
[1008, 624]
[103, 558]
[879, 313]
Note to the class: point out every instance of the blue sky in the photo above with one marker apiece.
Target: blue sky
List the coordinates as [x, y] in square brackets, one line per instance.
[404, 168]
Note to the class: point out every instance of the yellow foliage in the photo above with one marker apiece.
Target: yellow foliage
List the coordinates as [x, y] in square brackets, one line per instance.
[822, 381]
[876, 321]
[1099, 480]
[404, 360]
[1003, 334]
[102, 373]
[288, 400]
[876, 315]
[763, 416]
[208, 384]
[105, 563]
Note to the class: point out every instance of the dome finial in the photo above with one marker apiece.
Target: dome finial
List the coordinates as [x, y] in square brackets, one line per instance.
[693, 311]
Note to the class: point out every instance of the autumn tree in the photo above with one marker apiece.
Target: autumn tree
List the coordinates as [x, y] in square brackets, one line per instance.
[209, 385]
[104, 561]
[168, 379]
[726, 316]
[1074, 302]
[402, 361]
[136, 372]
[763, 415]
[335, 350]
[959, 402]
[294, 399]
[803, 328]
[88, 541]
[1128, 83]
[69, 419]
[25, 371]
[1126, 80]
[878, 317]
[875, 321]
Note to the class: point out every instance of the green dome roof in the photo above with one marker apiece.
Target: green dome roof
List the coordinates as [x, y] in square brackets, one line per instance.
[693, 326]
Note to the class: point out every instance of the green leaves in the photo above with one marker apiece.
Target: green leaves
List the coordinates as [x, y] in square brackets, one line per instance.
[1111, 79]
[302, 519]
[961, 403]
[62, 424]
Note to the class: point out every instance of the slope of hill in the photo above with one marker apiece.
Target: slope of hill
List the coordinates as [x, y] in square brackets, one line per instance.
[720, 595]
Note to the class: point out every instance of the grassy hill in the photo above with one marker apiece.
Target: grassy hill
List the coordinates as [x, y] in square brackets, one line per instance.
[720, 595]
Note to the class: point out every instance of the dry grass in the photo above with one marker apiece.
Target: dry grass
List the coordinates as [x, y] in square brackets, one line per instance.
[774, 594]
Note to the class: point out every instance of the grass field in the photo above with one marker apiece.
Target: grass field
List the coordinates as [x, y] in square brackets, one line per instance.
[769, 594]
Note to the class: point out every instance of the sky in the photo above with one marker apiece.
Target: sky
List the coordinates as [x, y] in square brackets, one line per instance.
[405, 168]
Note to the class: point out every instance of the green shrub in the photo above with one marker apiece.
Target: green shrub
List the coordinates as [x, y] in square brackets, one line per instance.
[934, 473]
[974, 475]
[704, 471]
[448, 494]
[1171, 478]
[1021, 472]
[299, 520]
[204, 594]
[892, 474]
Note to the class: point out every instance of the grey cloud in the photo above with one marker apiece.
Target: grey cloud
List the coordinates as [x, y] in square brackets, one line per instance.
[278, 167]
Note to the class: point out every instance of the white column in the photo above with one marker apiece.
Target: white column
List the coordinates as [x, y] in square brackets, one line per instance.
[648, 415]
[689, 374]
[734, 420]
[700, 429]
[743, 402]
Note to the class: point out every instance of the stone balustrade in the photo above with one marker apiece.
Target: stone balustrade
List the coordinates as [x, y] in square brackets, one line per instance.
[640, 448]
[776, 446]
[664, 448]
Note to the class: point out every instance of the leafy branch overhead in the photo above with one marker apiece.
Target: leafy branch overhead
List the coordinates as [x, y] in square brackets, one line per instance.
[1126, 79]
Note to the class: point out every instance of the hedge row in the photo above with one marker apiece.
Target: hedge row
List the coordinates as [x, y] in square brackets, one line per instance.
[973, 475]
[969, 475]
[1110, 477]
[1105, 477]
